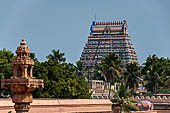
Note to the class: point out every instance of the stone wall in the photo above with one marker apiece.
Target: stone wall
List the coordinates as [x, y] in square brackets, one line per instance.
[159, 102]
[153, 99]
[61, 105]
[163, 111]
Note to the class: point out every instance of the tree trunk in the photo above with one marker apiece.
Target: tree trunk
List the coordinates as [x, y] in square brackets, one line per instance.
[117, 110]
[110, 90]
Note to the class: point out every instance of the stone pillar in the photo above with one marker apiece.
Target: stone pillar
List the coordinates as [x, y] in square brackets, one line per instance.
[31, 69]
[22, 82]
[14, 72]
[24, 71]
[22, 108]
[22, 102]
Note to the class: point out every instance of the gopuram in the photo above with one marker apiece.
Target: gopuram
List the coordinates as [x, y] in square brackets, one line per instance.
[22, 83]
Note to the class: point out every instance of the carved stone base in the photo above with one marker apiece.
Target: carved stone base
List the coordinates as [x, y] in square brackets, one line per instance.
[22, 102]
[22, 108]
[22, 98]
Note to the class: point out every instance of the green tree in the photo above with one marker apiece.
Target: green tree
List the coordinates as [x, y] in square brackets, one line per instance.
[155, 73]
[132, 76]
[40, 71]
[80, 69]
[59, 79]
[165, 78]
[96, 75]
[121, 98]
[6, 58]
[32, 56]
[56, 56]
[110, 69]
[166, 70]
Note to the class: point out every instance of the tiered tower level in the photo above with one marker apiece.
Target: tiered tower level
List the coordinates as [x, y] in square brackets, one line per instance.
[107, 37]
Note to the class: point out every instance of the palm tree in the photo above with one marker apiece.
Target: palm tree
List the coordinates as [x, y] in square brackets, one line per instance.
[56, 56]
[121, 98]
[154, 72]
[132, 76]
[80, 69]
[166, 73]
[96, 74]
[110, 69]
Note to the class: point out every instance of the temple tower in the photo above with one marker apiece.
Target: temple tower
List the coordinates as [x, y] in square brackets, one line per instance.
[107, 37]
[22, 82]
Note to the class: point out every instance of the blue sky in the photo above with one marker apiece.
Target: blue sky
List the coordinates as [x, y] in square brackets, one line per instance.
[65, 24]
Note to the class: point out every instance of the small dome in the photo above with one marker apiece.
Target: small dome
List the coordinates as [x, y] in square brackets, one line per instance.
[23, 42]
[23, 48]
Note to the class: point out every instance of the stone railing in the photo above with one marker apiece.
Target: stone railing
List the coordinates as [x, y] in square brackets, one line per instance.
[159, 111]
[153, 99]
[51, 105]
[159, 102]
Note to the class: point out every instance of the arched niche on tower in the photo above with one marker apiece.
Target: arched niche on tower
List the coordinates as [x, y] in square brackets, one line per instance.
[19, 71]
[29, 71]
[107, 30]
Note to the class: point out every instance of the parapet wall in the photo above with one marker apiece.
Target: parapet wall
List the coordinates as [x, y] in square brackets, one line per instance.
[163, 111]
[153, 99]
[159, 102]
[61, 105]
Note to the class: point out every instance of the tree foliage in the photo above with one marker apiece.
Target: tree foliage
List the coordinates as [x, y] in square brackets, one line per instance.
[65, 80]
[96, 75]
[132, 76]
[156, 71]
[110, 68]
[6, 58]
[60, 80]
[81, 70]
[121, 98]
[56, 57]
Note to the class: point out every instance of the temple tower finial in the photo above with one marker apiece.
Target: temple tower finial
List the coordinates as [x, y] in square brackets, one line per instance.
[23, 64]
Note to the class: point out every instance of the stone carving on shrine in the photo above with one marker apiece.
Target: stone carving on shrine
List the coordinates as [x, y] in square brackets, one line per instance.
[22, 83]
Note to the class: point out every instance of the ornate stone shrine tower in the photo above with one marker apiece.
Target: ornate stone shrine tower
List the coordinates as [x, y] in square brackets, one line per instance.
[22, 83]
